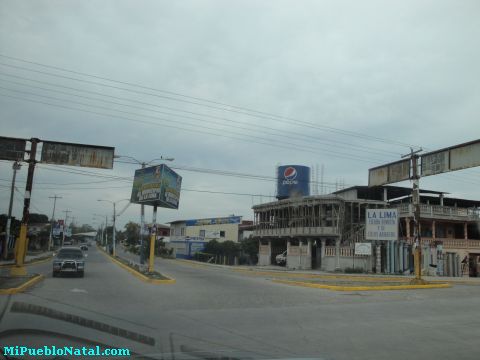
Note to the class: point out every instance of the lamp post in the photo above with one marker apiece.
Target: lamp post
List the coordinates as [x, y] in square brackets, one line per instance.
[142, 207]
[114, 218]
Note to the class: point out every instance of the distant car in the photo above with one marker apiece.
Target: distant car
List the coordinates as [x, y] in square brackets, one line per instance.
[67, 243]
[281, 259]
[84, 247]
[69, 260]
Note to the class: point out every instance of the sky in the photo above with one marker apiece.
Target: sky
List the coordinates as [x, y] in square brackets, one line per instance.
[236, 87]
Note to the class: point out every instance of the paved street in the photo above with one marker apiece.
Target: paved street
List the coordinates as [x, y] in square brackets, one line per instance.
[232, 314]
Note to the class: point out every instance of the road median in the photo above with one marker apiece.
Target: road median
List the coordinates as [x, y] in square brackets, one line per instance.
[155, 278]
[15, 284]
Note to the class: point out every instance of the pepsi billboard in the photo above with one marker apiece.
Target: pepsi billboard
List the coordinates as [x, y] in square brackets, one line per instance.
[293, 181]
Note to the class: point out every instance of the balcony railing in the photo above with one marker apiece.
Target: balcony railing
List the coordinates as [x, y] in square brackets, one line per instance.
[448, 212]
[298, 231]
[345, 251]
[449, 243]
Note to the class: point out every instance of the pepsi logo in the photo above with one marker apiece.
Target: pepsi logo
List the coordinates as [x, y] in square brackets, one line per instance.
[290, 173]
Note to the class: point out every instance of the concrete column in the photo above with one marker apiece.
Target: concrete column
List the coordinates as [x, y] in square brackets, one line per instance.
[407, 227]
[465, 231]
[387, 267]
[379, 258]
[265, 258]
[322, 254]
[441, 199]
[337, 253]
[400, 256]
[434, 230]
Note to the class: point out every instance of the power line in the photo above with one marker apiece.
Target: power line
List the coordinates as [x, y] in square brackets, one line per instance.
[257, 126]
[225, 107]
[196, 131]
[182, 122]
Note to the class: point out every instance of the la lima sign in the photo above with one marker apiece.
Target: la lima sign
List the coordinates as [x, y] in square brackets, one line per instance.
[381, 224]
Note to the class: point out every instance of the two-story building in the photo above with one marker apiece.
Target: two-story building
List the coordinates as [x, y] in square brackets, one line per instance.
[190, 236]
[321, 231]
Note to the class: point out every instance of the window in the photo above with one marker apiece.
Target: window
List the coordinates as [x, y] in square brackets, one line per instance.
[201, 233]
[182, 231]
[222, 234]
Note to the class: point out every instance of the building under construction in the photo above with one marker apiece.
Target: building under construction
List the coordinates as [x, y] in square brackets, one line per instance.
[321, 231]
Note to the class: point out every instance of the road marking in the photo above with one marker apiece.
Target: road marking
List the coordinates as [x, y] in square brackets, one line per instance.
[75, 290]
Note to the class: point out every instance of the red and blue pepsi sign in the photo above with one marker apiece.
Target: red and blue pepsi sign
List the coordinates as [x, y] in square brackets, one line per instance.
[293, 181]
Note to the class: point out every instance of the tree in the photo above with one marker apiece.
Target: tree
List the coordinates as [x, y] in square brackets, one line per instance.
[132, 231]
[37, 218]
[250, 247]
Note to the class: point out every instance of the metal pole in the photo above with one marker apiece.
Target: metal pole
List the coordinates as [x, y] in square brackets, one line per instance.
[16, 166]
[113, 236]
[21, 245]
[416, 232]
[142, 227]
[153, 236]
[105, 240]
[50, 242]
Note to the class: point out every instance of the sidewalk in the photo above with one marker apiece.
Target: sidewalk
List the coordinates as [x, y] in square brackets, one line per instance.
[282, 270]
[29, 258]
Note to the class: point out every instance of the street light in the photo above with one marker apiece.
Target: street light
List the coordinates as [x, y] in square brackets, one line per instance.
[142, 207]
[114, 216]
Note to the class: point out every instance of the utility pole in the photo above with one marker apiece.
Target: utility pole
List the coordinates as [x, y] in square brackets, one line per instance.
[16, 166]
[417, 257]
[142, 227]
[50, 242]
[106, 235]
[113, 235]
[65, 224]
[153, 237]
[21, 245]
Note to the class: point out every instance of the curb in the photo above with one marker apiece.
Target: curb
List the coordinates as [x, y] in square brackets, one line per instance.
[363, 288]
[22, 287]
[318, 276]
[349, 277]
[139, 274]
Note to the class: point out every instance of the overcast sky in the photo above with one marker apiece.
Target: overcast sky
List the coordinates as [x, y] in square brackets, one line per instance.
[238, 86]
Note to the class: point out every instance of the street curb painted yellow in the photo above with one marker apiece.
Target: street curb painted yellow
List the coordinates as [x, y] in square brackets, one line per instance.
[22, 287]
[34, 262]
[348, 277]
[318, 276]
[139, 274]
[363, 288]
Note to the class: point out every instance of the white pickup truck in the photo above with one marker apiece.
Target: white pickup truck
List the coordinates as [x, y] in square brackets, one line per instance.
[281, 259]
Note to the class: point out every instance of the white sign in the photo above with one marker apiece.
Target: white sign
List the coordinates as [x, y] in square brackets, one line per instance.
[212, 234]
[381, 224]
[363, 248]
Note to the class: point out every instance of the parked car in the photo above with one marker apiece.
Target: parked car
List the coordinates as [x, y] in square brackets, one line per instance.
[281, 259]
[69, 260]
[84, 247]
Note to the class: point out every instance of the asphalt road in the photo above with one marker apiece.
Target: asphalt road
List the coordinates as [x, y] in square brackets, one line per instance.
[213, 312]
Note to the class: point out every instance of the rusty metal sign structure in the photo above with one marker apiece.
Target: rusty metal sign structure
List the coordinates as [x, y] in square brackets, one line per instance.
[12, 148]
[389, 173]
[61, 153]
[458, 157]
